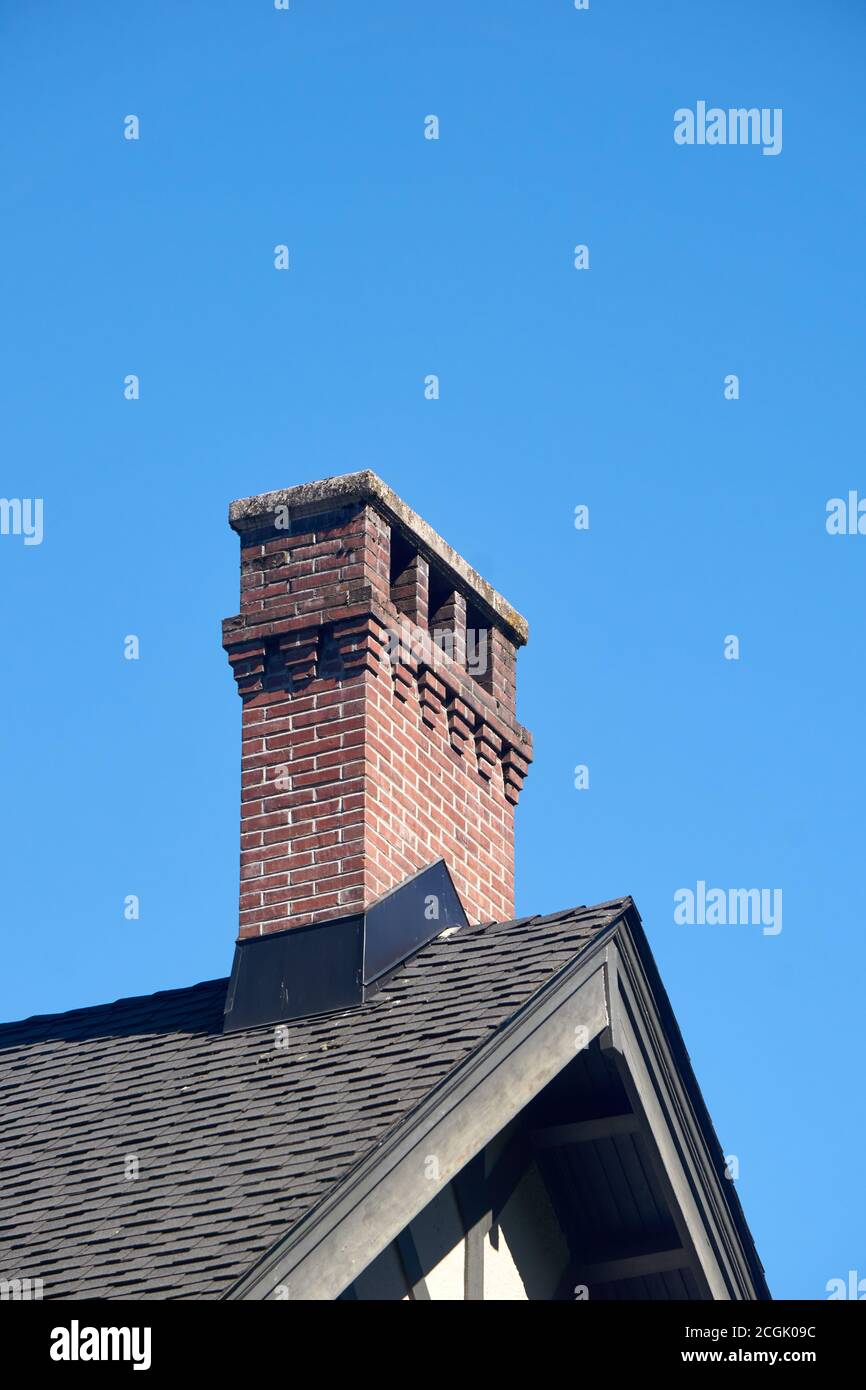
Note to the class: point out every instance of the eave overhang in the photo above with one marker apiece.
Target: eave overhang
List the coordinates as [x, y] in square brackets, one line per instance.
[612, 992]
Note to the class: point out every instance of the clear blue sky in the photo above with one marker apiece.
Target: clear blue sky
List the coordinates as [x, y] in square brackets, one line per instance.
[558, 387]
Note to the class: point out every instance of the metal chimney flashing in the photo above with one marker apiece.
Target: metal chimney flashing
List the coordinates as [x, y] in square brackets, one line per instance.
[330, 966]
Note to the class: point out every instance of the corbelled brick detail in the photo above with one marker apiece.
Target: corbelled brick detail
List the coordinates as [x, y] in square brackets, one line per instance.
[369, 749]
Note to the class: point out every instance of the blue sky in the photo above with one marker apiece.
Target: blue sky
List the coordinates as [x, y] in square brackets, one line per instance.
[602, 387]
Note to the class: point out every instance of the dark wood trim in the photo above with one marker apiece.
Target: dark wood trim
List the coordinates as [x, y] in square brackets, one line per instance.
[473, 1264]
[584, 1131]
[631, 1266]
[647, 1047]
[412, 1268]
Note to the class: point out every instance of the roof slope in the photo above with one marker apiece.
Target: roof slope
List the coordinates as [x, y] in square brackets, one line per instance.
[235, 1138]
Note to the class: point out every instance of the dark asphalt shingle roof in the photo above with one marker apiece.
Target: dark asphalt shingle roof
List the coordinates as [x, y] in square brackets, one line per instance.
[235, 1139]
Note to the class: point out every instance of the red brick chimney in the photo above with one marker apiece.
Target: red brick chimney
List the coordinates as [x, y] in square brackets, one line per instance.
[377, 672]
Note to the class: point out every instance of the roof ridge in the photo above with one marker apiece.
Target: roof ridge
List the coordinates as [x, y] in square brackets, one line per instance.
[537, 919]
[90, 1009]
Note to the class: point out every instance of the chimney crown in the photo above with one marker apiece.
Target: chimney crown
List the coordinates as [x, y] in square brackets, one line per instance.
[251, 513]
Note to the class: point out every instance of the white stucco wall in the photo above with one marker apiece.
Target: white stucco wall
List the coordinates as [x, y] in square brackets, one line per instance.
[524, 1254]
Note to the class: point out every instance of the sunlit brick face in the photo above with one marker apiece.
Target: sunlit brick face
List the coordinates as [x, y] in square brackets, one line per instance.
[378, 734]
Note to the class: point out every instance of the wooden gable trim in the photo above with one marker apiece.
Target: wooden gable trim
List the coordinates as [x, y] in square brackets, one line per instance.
[612, 990]
[340, 1237]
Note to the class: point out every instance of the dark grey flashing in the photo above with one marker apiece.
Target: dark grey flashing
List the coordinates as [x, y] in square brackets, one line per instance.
[326, 967]
[249, 513]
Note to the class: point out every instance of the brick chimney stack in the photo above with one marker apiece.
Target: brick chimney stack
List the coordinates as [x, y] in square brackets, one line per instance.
[377, 673]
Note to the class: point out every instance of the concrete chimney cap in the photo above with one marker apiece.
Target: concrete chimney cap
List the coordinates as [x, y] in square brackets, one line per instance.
[250, 512]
